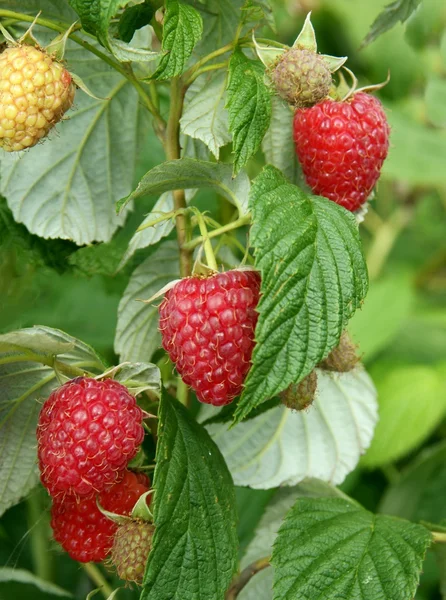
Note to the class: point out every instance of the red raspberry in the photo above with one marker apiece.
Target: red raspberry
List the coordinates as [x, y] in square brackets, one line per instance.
[80, 527]
[87, 433]
[207, 327]
[342, 146]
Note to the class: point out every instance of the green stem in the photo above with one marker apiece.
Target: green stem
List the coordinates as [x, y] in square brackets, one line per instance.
[173, 152]
[98, 579]
[62, 27]
[385, 239]
[245, 220]
[439, 536]
[245, 576]
[208, 250]
[38, 526]
[213, 67]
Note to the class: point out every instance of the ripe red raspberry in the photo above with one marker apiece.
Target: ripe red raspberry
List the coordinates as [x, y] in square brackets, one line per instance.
[207, 327]
[87, 433]
[342, 146]
[80, 527]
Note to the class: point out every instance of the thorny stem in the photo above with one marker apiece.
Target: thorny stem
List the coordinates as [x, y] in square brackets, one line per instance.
[245, 220]
[245, 576]
[98, 579]
[62, 27]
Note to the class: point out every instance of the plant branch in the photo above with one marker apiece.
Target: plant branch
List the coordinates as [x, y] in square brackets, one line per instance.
[439, 536]
[245, 576]
[245, 220]
[98, 579]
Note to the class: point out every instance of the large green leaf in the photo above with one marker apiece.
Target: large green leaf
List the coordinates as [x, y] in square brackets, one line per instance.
[97, 18]
[282, 447]
[183, 27]
[435, 97]
[397, 11]
[205, 117]
[314, 277]
[220, 21]
[194, 551]
[260, 587]
[418, 494]
[412, 402]
[26, 378]
[331, 548]
[67, 187]
[187, 173]
[249, 107]
[137, 335]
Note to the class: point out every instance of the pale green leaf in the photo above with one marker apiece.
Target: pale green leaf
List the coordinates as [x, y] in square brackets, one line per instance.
[412, 402]
[25, 381]
[187, 173]
[9, 575]
[397, 11]
[435, 97]
[220, 21]
[314, 277]
[183, 27]
[332, 548]
[249, 107]
[137, 335]
[194, 553]
[140, 377]
[283, 447]
[204, 116]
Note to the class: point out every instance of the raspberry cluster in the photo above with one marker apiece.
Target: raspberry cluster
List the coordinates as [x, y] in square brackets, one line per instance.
[88, 431]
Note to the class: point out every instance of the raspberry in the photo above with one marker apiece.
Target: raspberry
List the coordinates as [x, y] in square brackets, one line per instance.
[300, 396]
[87, 433]
[131, 547]
[35, 92]
[80, 527]
[207, 327]
[301, 77]
[342, 146]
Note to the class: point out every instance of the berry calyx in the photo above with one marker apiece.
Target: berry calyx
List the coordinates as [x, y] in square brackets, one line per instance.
[131, 547]
[87, 433]
[81, 528]
[35, 92]
[207, 328]
[300, 396]
[301, 77]
[342, 146]
[343, 358]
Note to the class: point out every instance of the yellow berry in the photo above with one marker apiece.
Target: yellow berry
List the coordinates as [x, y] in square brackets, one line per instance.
[35, 92]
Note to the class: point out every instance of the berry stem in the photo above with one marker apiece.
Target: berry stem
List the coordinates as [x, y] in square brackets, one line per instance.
[439, 536]
[207, 245]
[98, 579]
[38, 526]
[173, 152]
[245, 220]
[245, 576]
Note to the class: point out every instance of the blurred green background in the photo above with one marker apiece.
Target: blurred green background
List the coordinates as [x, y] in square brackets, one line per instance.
[401, 329]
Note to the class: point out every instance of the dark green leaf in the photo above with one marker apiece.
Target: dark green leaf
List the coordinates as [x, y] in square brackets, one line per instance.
[183, 27]
[134, 18]
[398, 11]
[194, 552]
[314, 277]
[331, 548]
[249, 106]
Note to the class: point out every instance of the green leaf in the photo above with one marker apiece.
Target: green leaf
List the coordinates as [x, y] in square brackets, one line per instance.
[139, 377]
[205, 117]
[398, 11]
[283, 447]
[332, 548]
[435, 97]
[183, 27]
[412, 402]
[258, 10]
[278, 143]
[137, 335]
[374, 328]
[66, 188]
[187, 173]
[9, 575]
[260, 587]
[249, 107]
[220, 21]
[194, 553]
[134, 18]
[418, 495]
[314, 277]
[97, 18]
[25, 381]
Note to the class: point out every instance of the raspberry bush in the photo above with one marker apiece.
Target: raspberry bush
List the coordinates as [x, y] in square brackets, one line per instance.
[222, 336]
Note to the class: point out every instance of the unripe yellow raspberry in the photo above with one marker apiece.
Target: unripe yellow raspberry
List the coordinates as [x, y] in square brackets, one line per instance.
[35, 92]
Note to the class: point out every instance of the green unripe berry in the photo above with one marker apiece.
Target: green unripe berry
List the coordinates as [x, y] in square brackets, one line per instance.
[131, 546]
[300, 396]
